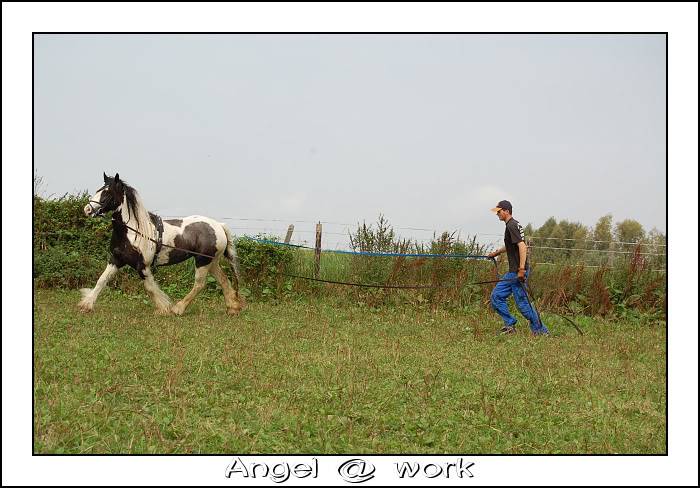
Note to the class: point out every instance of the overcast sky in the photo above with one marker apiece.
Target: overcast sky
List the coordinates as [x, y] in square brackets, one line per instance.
[430, 130]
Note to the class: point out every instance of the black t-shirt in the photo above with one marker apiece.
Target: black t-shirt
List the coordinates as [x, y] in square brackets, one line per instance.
[514, 234]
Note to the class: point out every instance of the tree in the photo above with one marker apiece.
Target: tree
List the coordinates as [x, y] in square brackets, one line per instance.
[559, 238]
[547, 227]
[603, 232]
[629, 230]
[655, 244]
[572, 231]
[580, 235]
[656, 240]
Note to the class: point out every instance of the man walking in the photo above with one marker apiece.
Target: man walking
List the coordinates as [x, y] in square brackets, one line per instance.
[515, 279]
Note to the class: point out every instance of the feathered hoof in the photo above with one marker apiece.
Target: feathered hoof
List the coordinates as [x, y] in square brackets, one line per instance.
[233, 310]
[163, 312]
[86, 305]
[177, 309]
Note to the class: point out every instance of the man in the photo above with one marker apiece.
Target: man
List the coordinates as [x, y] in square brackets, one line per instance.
[515, 279]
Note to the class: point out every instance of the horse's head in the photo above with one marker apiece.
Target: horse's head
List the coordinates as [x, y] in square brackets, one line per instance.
[108, 198]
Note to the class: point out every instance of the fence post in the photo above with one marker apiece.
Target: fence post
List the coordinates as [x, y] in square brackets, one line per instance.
[317, 257]
[288, 238]
[283, 269]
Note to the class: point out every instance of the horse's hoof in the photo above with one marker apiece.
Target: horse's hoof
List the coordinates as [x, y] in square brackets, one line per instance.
[177, 310]
[85, 307]
[233, 310]
[163, 312]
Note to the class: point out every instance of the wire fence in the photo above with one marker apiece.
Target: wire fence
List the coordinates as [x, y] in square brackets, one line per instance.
[598, 258]
[335, 234]
[549, 251]
[587, 240]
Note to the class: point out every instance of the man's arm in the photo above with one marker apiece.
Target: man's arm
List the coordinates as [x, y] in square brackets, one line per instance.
[522, 248]
[497, 252]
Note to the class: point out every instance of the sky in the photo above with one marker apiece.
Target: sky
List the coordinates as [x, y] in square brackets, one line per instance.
[430, 130]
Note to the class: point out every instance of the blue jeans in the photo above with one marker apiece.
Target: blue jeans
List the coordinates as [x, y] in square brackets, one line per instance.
[499, 298]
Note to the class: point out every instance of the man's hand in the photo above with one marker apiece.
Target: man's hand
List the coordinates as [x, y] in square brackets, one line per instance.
[494, 254]
[521, 274]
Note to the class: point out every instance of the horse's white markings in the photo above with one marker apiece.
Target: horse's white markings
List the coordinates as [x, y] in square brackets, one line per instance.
[90, 295]
[140, 249]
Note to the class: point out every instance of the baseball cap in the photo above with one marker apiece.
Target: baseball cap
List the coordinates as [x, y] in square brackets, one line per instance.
[503, 205]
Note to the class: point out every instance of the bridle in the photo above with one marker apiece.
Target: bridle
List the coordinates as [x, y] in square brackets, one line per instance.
[100, 211]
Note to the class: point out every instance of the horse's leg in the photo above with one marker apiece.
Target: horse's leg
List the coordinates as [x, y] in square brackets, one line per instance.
[236, 286]
[200, 279]
[161, 300]
[87, 304]
[236, 283]
[233, 306]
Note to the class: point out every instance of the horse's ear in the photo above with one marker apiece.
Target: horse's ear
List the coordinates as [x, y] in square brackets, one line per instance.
[105, 176]
[116, 177]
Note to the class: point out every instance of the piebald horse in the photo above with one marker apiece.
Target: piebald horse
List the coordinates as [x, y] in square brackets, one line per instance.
[142, 240]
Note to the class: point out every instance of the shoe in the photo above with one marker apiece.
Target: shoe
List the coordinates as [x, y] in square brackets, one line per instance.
[539, 331]
[507, 330]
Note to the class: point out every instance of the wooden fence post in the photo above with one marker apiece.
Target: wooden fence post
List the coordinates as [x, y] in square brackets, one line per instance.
[288, 238]
[283, 269]
[317, 260]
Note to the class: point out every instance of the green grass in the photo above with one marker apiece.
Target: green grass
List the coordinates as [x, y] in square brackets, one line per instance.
[325, 377]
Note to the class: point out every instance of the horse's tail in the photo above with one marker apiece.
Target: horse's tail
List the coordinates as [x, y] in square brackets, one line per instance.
[231, 255]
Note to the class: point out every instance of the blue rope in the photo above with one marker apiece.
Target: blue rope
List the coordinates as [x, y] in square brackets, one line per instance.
[394, 254]
[383, 254]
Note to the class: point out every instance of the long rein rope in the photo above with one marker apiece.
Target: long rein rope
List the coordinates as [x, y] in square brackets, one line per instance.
[390, 286]
[307, 277]
[528, 295]
[526, 288]
[330, 281]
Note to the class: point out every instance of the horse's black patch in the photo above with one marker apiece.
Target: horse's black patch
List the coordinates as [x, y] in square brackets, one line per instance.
[123, 252]
[198, 237]
[175, 256]
[174, 222]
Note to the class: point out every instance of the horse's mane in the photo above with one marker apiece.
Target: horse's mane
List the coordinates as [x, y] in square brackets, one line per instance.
[136, 210]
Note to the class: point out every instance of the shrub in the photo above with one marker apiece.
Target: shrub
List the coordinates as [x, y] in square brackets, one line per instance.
[262, 266]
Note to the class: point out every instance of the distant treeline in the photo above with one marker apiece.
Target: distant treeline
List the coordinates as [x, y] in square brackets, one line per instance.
[603, 245]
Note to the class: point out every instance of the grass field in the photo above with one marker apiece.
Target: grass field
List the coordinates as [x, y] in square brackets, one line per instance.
[328, 377]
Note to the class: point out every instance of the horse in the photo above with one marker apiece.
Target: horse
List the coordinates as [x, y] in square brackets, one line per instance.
[143, 240]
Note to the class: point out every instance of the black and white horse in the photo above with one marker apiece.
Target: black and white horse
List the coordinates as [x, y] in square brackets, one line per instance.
[141, 240]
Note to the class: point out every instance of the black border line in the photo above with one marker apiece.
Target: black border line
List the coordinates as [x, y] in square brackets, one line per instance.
[362, 455]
